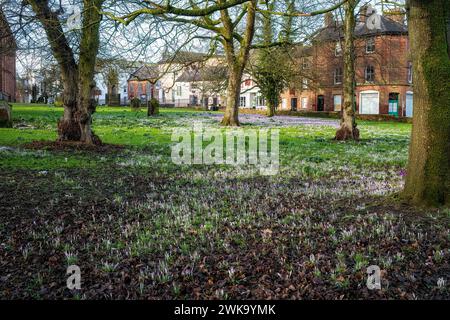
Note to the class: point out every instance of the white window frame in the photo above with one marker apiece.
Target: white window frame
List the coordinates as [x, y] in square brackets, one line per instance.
[304, 102]
[335, 76]
[305, 83]
[372, 40]
[338, 49]
[410, 72]
[366, 73]
[243, 101]
[360, 100]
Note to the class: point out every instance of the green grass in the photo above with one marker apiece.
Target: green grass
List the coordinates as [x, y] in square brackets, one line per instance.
[327, 215]
[305, 148]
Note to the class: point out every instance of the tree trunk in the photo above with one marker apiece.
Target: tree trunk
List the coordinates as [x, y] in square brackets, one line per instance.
[271, 106]
[68, 128]
[236, 62]
[231, 116]
[90, 40]
[428, 173]
[348, 130]
[77, 79]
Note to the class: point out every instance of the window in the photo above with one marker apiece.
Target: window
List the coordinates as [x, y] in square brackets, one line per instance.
[260, 101]
[337, 75]
[305, 64]
[304, 102]
[305, 83]
[242, 102]
[248, 83]
[410, 77]
[125, 89]
[337, 101]
[338, 49]
[370, 74]
[370, 45]
[178, 90]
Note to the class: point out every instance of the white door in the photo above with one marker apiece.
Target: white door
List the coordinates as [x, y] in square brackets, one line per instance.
[409, 104]
[369, 103]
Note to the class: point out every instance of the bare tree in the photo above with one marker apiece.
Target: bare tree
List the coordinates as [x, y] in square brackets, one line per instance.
[348, 129]
[228, 22]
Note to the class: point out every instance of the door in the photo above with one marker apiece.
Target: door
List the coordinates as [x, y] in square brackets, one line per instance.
[409, 104]
[337, 101]
[320, 103]
[393, 104]
[293, 104]
[369, 103]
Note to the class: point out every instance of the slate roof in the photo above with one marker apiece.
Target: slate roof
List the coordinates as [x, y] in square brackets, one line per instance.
[335, 32]
[215, 73]
[185, 57]
[146, 72]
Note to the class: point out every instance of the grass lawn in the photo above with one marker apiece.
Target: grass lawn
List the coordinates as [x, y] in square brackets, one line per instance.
[140, 226]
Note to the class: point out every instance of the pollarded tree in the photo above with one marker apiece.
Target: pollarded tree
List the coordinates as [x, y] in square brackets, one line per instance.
[428, 174]
[77, 76]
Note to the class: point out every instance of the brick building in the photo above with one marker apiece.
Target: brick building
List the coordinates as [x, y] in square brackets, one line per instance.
[142, 83]
[383, 71]
[7, 61]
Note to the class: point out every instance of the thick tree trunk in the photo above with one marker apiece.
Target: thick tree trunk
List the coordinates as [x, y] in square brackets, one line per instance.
[348, 130]
[271, 106]
[428, 173]
[236, 61]
[78, 79]
[90, 40]
[231, 116]
[68, 128]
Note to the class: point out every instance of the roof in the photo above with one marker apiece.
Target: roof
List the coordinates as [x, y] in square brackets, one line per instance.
[387, 26]
[145, 73]
[301, 50]
[215, 73]
[185, 57]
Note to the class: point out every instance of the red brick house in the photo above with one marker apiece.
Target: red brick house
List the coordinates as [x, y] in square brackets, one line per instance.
[142, 83]
[7, 61]
[383, 71]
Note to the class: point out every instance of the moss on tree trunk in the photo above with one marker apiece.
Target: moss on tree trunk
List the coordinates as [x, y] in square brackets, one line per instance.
[428, 173]
[77, 78]
[236, 60]
[348, 129]
[231, 116]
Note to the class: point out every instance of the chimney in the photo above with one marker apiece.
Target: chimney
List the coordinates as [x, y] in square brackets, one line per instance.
[329, 19]
[364, 13]
[396, 14]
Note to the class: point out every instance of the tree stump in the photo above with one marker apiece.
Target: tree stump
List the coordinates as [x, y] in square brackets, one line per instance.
[5, 115]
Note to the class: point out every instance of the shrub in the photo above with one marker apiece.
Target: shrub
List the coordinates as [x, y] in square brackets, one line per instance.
[153, 107]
